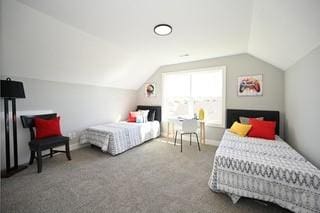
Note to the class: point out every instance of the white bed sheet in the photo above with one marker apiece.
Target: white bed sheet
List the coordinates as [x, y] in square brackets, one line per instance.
[265, 170]
[116, 138]
[148, 130]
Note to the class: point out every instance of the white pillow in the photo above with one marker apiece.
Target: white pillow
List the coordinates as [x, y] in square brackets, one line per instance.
[144, 114]
[139, 119]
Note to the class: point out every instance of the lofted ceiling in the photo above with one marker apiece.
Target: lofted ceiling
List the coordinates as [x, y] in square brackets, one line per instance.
[279, 32]
[284, 31]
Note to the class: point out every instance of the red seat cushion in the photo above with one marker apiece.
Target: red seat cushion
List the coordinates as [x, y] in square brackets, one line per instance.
[262, 129]
[47, 128]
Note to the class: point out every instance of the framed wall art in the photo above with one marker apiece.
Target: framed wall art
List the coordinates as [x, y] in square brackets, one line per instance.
[250, 85]
[150, 90]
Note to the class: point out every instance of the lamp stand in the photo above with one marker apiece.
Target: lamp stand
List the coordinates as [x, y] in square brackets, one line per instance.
[16, 168]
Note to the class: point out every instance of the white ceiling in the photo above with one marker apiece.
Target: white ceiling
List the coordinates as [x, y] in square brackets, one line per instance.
[279, 32]
[284, 31]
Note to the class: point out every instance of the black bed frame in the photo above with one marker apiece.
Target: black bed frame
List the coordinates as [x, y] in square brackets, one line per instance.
[157, 109]
[234, 114]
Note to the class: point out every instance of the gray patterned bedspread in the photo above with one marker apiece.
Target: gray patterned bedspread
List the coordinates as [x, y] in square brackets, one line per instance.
[266, 170]
[114, 138]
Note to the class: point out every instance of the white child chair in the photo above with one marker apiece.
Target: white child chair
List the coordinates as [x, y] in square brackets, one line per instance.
[189, 127]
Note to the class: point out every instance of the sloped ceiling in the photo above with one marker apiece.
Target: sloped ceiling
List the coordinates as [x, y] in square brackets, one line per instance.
[284, 31]
[128, 52]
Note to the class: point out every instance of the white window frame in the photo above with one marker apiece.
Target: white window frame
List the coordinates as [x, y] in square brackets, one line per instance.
[208, 69]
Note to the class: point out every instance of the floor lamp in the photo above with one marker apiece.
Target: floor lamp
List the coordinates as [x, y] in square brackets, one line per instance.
[10, 90]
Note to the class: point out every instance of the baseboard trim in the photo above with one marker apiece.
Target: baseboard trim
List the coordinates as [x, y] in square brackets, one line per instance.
[73, 146]
[210, 142]
[78, 146]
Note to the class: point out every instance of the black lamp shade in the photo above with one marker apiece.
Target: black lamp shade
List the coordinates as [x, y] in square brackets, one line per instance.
[12, 89]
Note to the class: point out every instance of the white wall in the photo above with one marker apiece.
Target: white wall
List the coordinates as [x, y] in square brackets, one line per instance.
[237, 65]
[78, 105]
[36, 46]
[302, 104]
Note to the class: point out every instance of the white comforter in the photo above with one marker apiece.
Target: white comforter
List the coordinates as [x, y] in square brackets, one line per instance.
[116, 138]
[266, 170]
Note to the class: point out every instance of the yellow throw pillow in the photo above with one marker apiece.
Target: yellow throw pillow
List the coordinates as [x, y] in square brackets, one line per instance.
[240, 129]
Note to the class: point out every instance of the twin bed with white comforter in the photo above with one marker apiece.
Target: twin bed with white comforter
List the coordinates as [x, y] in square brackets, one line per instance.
[266, 170]
[116, 138]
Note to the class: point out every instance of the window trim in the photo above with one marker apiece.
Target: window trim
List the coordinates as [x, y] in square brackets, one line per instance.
[224, 90]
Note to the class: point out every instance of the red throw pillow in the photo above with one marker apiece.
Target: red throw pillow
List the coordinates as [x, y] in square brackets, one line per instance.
[47, 128]
[133, 116]
[262, 129]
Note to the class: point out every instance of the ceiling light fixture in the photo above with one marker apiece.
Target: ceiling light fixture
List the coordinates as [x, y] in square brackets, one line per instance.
[162, 29]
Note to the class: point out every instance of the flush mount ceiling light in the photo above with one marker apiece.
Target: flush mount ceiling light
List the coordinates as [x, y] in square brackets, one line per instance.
[162, 29]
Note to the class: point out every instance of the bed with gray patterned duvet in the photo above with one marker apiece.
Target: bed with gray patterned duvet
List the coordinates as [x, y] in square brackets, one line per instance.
[116, 138]
[266, 170]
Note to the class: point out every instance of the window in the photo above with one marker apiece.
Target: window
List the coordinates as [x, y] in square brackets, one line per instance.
[185, 92]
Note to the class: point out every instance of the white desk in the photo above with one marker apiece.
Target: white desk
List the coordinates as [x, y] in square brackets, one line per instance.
[173, 121]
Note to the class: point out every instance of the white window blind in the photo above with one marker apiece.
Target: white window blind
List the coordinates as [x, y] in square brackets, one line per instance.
[185, 92]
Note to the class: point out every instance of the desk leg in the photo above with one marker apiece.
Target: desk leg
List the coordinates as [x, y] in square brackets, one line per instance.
[168, 129]
[173, 132]
[202, 133]
[201, 129]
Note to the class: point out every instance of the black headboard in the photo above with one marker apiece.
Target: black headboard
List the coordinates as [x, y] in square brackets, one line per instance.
[234, 114]
[157, 109]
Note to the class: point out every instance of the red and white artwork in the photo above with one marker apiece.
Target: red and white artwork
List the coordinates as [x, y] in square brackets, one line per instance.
[250, 85]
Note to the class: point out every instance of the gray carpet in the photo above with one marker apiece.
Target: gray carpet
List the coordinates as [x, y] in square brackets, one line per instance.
[153, 177]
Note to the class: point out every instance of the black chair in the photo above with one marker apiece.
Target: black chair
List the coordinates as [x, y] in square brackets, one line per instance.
[39, 145]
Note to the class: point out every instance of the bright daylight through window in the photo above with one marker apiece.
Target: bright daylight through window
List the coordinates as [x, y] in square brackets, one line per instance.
[185, 92]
